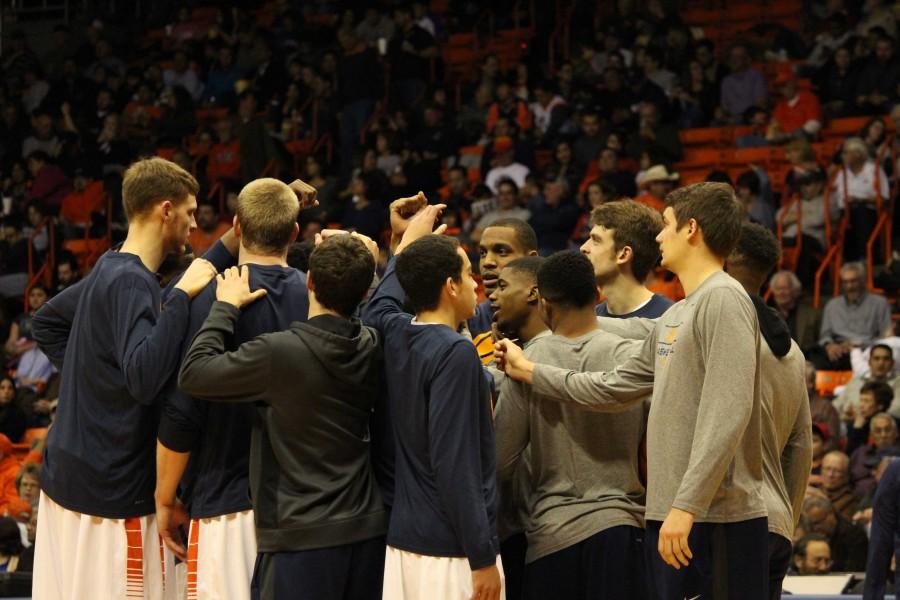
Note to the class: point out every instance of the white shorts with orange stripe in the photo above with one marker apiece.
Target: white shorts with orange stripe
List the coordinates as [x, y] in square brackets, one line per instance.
[221, 556]
[80, 556]
[411, 576]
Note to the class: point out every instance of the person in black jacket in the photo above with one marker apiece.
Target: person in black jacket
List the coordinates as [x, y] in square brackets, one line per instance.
[320, 519]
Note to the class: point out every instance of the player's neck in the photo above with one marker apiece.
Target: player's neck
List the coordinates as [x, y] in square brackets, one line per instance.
[145, 241]
[247, 256]
[625, 294]
[574, 323]
[698, 269]
[533, 327]
[317, 310]
[442, 315]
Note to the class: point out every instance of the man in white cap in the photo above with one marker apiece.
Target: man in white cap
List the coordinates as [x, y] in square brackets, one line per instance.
[656, 183]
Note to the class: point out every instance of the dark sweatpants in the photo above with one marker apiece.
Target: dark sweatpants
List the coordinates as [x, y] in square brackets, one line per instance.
[779, 560]
[512, 553]
[607, 566]
[743, 546]
[349, 572]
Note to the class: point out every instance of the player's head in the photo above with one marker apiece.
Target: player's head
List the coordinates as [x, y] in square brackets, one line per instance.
[566, 284]
[266, 218]
[700, 220]
[436, 273]
[754, 257]
[157, 191]
[623, 241]
[515, 298]
[340, 273]
[501, 243]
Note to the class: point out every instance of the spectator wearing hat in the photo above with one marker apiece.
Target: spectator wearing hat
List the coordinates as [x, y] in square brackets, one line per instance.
[744, 87]
[865, 459]
[655, 185]
[505, 166]
[797, 112]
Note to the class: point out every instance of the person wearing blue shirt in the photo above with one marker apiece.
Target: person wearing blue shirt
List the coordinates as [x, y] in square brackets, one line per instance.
[442, 538]
[117, 340]
[623, 250]
[206, 446]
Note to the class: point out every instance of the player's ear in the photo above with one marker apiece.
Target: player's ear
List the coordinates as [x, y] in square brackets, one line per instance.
[310, 286]
[236, 223]
[532, 253]
[166, 208]
[533, 296]
[451, 287]
[294, 233]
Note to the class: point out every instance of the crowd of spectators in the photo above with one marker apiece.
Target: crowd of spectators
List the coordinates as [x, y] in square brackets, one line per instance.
[361, 104]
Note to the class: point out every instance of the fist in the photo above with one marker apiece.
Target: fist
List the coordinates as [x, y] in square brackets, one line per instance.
[306, 194]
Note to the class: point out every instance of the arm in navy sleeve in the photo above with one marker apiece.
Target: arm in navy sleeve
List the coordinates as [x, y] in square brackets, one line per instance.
[456, 410]
[147, 341]
[53, 321]
[387, 302]
[220, 258]
[211, 373]
[885, 524]
[183, 417]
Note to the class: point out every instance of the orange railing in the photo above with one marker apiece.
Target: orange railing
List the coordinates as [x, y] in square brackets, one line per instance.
[797, 204]
[45, 272]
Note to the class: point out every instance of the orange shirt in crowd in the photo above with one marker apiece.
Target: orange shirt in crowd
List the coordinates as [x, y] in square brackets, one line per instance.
[224, 161]
[651, 201]
[10, 503]
[792, 115]
[78, 206]
[201, 241]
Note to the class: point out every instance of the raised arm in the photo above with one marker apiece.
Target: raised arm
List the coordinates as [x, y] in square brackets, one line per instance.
[456, 412]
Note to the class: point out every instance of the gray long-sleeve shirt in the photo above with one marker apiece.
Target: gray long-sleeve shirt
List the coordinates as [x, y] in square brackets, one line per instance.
[703, 439]
[584, 465]
[786, 437]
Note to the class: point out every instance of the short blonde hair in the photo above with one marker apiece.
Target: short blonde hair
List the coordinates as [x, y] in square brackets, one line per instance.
[151, 180]
[267, 210]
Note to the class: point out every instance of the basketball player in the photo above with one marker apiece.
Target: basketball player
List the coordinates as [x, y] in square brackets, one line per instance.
[117, 350]
[205, 446]
[703, 439]
[320, 521]
[786, 422]
[442, 537]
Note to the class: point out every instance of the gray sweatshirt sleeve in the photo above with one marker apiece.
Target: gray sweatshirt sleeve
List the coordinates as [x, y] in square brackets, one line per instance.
[635, 328]
[796, 459]
[611, 391]
[726, 326]
[511, 426]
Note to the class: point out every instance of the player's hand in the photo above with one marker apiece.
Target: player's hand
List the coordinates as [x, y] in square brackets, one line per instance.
[402, 211]
[198, 274]
[306, 194]
[486, 583]
[673, 538]
[233, 287]
[422, 224]
[511, 360]
[170, 518]
[371, 245]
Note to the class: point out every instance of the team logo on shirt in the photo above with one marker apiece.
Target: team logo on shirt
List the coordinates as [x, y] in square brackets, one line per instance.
[665, 347]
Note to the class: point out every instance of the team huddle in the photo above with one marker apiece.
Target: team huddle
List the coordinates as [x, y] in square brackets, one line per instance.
[329, 435]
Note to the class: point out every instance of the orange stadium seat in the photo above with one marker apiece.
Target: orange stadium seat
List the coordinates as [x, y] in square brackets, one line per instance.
[827, 381]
